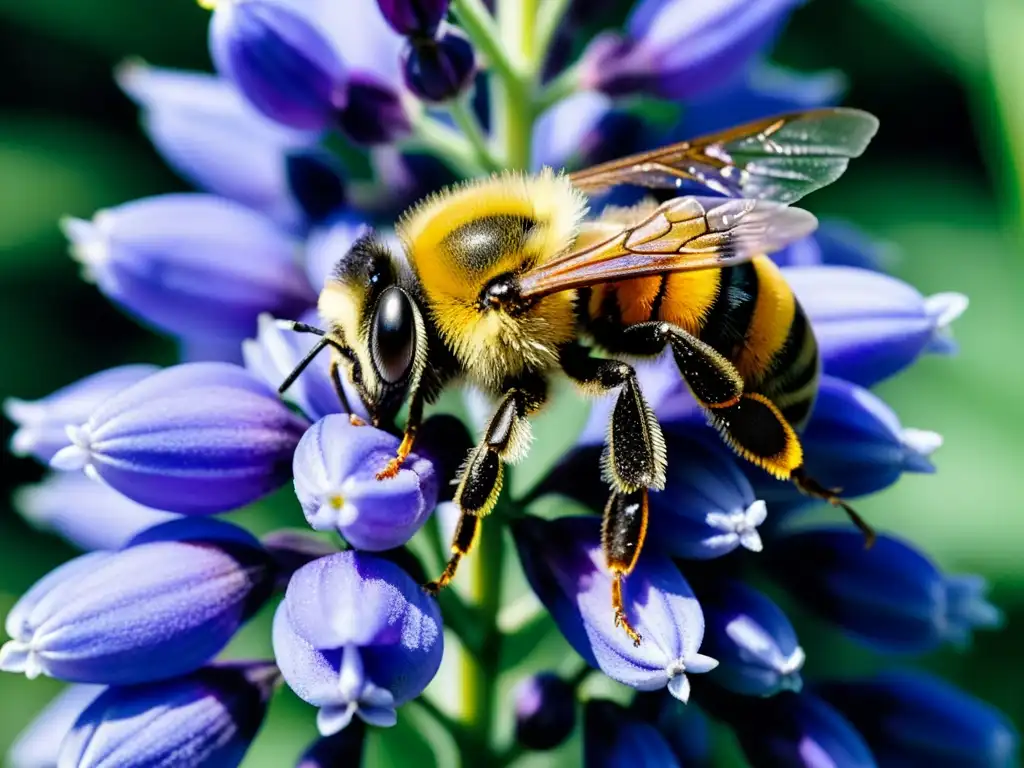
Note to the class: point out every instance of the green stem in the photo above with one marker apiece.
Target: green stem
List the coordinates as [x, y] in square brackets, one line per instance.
[476, 21]
[447, 144]
[565, 84]
[480, 669]
[462, 113]
[549, 16]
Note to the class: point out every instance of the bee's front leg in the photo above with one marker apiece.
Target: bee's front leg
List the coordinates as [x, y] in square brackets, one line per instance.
[506, 439]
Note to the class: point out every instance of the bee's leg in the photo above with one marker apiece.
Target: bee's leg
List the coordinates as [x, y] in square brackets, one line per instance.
[339, 389]
[505, 440]
[750, 423]
[412, 426]
[633, 461]
[623, 531]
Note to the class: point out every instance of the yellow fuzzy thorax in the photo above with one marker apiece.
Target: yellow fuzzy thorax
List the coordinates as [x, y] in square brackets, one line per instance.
[491, 344]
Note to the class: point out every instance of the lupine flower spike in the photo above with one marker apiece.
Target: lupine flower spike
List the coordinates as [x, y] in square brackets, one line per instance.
[330, 294]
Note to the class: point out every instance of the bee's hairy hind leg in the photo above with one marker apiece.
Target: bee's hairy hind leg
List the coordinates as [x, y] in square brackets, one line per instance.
[504, 440]
[623, 531]
[634, 461]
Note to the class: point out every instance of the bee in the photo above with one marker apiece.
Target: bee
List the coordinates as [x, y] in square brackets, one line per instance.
[504, 282]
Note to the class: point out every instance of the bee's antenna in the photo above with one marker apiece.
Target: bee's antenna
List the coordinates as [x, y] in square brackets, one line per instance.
[304, 362]
[291, 325]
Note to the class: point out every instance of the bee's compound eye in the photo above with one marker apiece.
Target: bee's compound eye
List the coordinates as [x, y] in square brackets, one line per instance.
[392, 340]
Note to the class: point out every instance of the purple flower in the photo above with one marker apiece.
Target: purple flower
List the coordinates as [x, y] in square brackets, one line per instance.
[683, 726]
[42, 424]
[215, 139]
[755, 644]
[790, 731]
[853, 441]
[889, 597]
[161, 607]
[335, 469]
[838, 244]
[355, 635]
[545, 708]
[911, 718]
[761, 90]
[419, 18]
[679, 49]
[283, 64]
[708, 507]
[197, 438]
[275, 351]
[565, 567]
[439, 70]
[871, 326]
[38, 745]
[85, 513]
[612, 736]
[192, 264]
[207, 718]
[344, 748]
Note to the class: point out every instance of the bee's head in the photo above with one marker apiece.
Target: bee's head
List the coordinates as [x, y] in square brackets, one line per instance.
[375, 325]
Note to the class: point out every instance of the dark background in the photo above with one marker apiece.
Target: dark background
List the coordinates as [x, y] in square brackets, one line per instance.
[942, 182]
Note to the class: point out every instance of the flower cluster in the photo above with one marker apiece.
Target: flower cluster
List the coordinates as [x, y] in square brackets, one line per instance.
[142, 459]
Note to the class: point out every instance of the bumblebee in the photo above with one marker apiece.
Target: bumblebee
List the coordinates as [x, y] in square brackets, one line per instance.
[505, 282]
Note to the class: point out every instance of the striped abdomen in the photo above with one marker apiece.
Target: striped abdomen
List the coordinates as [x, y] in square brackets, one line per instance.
[748, 313]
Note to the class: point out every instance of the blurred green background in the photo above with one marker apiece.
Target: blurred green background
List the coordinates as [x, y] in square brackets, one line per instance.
[943, 182]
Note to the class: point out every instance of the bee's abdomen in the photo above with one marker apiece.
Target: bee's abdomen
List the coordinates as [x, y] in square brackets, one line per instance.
[747, 312]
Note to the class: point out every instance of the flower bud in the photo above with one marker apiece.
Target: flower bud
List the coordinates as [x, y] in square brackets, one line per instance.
[207, 718]
[912, 718]
[344, 748]
[708, 507]
[161, 607]
[870, 326]
[197, 438]
[545, 711]
[676, 52]
[192, 264]
[855, 442]
[414, 18]
[281, 62]
[439, 70]
[41, 425]
[214, 138]
[335, 469]
[373, 112]
[889, 597]
[355, 635]
[752, 639]
[87, 514]
[789, 730]
[683, 726]
[38, 745]
[565, 566]
[613, 736]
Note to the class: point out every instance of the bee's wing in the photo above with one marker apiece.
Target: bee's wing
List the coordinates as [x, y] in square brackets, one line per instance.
[779, 158]
[682, 234]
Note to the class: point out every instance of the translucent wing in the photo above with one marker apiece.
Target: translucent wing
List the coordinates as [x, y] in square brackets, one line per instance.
[779, 158]
[682, 234]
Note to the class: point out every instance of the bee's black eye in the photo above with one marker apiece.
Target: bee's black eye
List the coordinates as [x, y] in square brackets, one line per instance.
[393, 337]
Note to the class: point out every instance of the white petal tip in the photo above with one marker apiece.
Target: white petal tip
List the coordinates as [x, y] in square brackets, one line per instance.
[70, 458]
[922, 441]
[944, 308]
[679, 687]
[22, 411]
[15, 657]
[332, 719]
[751, 541]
